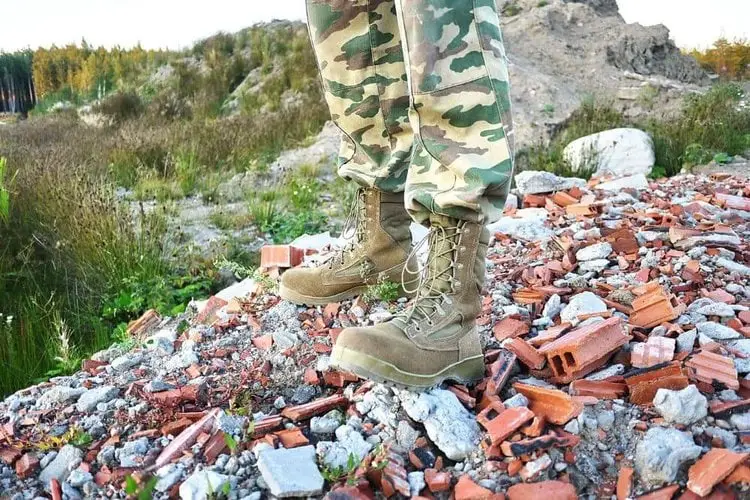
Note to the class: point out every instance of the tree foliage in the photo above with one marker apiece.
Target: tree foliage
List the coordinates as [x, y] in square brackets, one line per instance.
[17, 93]
[729, 60]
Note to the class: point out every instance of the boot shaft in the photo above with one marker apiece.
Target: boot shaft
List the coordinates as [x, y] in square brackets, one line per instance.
[386, 226]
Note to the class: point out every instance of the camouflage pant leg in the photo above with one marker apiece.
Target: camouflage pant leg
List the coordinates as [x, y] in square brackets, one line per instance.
[460, 109]
[358, 46]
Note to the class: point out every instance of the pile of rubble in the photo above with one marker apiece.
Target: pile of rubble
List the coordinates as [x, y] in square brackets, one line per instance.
[617, 334]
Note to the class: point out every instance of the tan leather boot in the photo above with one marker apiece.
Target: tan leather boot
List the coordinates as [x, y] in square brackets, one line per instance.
[436, 338]
[378, 252]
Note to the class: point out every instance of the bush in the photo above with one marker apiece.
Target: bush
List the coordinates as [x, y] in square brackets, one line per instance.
[120, 106]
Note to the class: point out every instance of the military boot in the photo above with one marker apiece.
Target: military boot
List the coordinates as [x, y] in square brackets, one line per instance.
[378, 251]
[436, 338]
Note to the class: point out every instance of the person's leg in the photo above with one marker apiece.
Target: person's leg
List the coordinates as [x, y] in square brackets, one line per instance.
[358, 47]
[457, 182]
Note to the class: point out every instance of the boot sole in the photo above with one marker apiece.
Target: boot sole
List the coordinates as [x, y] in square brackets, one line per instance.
[297, 298]
[464, 372]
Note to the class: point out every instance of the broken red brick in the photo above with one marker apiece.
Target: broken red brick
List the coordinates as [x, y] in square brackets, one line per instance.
[139, 327]
[338, 379]
[27, 465]
[624, 483]
[500, 371]
[509, 328]
[585, 349]
[55, 489]
[531, 446]
[437, 481]
[643, 384]
[712, 468]
[207, 314]
[176, 427]
[462, 393]
[214, 447]
[525, 353]
[600, 389]
[302, 412]
[501, 423]
[552, 404]
[467, 489]
[654, 307]
[263, 342]
[543, 490]
[9, 454]
[736, 202]
[91, 366]
[292, 438]
[713, 368]
[187, 438]
[740, 475]
[311, 376]
[280, 256]
[655, 351]
[535, 428]
[266, 425]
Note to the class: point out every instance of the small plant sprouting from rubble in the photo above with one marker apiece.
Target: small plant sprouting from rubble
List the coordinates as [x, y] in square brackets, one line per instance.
[385, 290]
[336, 474]
[241, 272]
[75, 436]
[142, 490]
[65, 361]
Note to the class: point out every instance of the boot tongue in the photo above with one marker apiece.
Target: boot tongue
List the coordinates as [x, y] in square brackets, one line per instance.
[440, 256]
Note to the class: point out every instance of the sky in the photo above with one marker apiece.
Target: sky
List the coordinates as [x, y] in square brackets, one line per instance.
[178, 23]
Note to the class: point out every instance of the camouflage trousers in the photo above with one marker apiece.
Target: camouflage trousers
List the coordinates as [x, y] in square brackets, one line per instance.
[420, 89]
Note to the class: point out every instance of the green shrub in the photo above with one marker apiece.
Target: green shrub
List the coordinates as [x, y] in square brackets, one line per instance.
[120, 106]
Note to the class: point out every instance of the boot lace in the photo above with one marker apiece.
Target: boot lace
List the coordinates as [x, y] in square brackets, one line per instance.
[429, 300]
[355, 230]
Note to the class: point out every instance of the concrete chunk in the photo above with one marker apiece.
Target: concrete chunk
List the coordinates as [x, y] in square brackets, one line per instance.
[291, 473]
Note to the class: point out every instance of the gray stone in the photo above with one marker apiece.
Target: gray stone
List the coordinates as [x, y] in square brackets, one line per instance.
[181, 360]
[553, 307]
[349, 443]
[742, 345]
[595, 266]
[67, 459]
[594, 252]
[662, 452]
[582, 303]
[328, 423]
[160, 345]
[717, 309]
[132, 453]
[58, 395]
[686, 341]
[717, 331]
[126, 361]
[448, 424]
[406, 435]
[416, 482]
[741, 421]
[638, 181]
[291, 473]
[284, 339]
[733, 266]
[685, 406]
[728, 438]
[610, 371]
[538, 181]
[79, 477]
[303, 394]
[203, 485]
[168, 476]
[232, 424]
[89, 399]
[615, 152]
[516, 401]
[158, 385]
[527, 224]
[605, 419]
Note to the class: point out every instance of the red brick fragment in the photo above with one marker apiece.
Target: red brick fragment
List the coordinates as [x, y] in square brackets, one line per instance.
[600, 389]
[508, 328]
[585, 349]
[467, 489]
[554, 405]
[500, 371]
[655, 351]
[9, 454]
[302, 412]
[711, 469]
[740, 475]
[176, 427]
[624, 483]
[525, 353]
[501, 423]
[311, 376]
[654, 307]
[711, 368]
[263, 342]
[437, 481]
[280, 256]
[338, 379]
[543, 490]
[207, 314]
[643, 384]
[139, 327]
[187, 438]
[214, 447]
[91, 366]
[27, 465]
[55, 489]
[292, 438]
